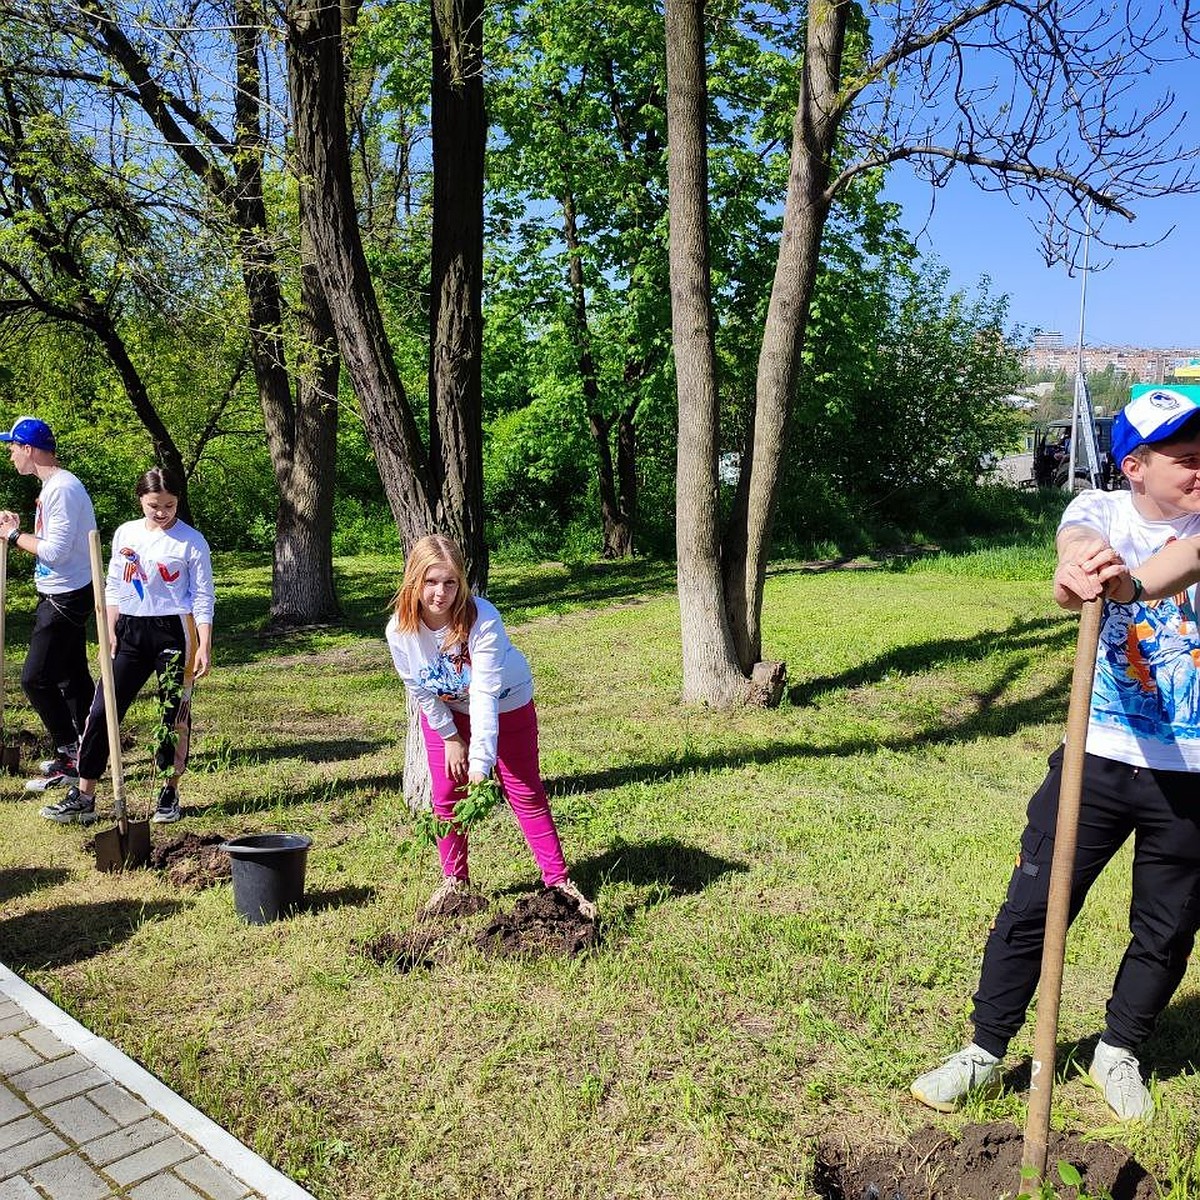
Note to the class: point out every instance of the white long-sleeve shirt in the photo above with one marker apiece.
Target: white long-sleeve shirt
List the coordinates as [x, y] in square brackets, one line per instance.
[160, 572]
[492, 677]
[62, 521]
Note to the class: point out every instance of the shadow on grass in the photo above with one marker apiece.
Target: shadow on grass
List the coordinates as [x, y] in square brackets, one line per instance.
[323, 899]
[20, 881]
[317, 793]
[332, 750]
[990, 719]
[674, 866]
[1046, 636]
[70, 933]
[1174, 1046]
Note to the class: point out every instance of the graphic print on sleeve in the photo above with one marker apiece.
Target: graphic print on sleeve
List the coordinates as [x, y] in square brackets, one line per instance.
[134, 574]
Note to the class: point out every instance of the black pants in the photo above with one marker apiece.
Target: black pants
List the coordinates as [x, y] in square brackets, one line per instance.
[55, 677]
[1162, 810]
[162, 646]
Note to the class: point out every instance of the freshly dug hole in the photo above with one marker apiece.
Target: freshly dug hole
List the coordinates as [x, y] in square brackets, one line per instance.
[984, 1164]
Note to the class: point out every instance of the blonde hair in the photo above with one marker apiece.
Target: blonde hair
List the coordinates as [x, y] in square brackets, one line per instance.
[434, 551]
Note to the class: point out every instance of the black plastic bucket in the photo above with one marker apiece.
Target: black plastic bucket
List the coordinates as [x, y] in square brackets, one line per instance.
[268, 874]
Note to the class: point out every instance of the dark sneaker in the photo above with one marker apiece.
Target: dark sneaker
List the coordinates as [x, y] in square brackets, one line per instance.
[59, 771]
[73, 807]
[49, 766]
[168, 809]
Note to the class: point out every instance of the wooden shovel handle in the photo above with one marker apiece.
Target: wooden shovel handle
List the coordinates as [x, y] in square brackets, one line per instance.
[107, 682]
[1062, 870]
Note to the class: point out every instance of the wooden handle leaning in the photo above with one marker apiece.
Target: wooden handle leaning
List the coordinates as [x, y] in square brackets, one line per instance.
[107, 682]
[1058, 910]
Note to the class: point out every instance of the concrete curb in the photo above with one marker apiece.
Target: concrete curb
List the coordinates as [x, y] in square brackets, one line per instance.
[239, 1160]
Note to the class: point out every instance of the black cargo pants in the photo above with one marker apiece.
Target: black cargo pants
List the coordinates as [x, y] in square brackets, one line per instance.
[1162, 810]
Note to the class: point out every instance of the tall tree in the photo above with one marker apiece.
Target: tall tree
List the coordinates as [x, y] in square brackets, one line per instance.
[1036, 98]
[439, 487]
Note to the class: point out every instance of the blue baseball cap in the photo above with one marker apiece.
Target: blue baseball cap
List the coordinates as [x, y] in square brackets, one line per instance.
[1153, 417]
[29, 431]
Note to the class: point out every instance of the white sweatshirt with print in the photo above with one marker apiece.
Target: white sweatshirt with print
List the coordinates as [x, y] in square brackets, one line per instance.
[491, 677]
[160, 572]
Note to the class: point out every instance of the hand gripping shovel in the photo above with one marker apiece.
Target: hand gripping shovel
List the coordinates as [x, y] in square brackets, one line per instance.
[10, 756]
[1062, 868]
[129, 844]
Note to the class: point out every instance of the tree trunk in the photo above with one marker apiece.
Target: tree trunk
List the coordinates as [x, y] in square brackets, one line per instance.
[317, 88]
[710, 669]
[617, 531]
[303, 589]
[814, 132]
[459, 131]
[301, 432]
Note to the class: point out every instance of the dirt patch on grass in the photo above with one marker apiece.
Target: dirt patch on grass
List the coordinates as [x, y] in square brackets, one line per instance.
[545, 923]
[194, 861]
[403, 951]
[985, 1162]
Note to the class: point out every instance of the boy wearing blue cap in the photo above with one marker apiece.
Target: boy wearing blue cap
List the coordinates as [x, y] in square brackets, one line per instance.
[1141, 766]
[55, 677]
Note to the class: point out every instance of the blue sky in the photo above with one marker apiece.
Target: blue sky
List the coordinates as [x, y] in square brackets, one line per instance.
[1145, 297]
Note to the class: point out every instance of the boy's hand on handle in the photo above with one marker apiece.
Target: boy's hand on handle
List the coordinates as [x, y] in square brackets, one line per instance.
[456, 759]
[1087, 571]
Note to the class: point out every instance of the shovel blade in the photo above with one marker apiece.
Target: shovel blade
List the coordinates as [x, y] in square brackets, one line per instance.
[10, 760]
[117, 852]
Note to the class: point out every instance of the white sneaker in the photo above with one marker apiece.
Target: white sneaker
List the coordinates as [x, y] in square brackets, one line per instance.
[1117, 1074]
[971, 1069]
[587, 910]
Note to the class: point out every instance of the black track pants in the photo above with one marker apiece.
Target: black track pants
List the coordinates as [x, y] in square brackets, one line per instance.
[55, 676]
[1162, 810]
[162, 646]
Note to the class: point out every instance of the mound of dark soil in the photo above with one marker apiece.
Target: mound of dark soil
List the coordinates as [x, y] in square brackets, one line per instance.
[545, 923]
[402, 951]
[983, 1164]
[193, 861]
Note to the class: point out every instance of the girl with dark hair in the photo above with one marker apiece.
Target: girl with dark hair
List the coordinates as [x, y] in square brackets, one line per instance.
[159, 601]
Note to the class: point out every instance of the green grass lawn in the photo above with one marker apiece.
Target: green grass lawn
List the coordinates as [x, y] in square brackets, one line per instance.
[794, 901]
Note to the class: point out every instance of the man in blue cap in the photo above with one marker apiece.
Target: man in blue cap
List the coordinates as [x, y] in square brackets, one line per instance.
[55, 677]
[1140, 773]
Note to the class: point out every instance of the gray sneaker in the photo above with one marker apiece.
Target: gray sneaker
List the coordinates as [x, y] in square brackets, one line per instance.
[1117, 1074]
[73, 807]
[971, 1069]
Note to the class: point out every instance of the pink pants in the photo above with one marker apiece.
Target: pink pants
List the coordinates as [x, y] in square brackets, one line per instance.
[517, 766]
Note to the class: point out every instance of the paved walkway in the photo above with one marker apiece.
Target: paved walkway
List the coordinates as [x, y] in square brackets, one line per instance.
[79, 1120]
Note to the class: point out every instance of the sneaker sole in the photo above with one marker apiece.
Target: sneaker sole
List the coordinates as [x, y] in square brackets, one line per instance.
[70, 818]
[168, 819]
[984, 1091]
[53, 781]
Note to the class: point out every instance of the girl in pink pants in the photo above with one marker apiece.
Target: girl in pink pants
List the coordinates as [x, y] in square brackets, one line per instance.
[475, 692]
